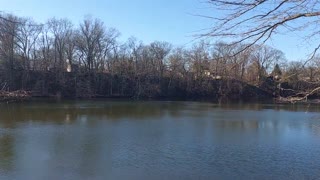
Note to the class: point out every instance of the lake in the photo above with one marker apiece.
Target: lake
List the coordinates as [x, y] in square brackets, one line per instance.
[77, 140]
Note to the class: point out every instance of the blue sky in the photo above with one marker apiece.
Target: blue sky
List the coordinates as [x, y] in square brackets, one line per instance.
[147, 20]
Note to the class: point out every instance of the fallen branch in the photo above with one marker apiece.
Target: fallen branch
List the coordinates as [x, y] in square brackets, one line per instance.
[293, 100]
[14, 95]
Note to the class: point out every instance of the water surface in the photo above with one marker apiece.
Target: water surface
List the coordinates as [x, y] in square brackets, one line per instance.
[158, 140]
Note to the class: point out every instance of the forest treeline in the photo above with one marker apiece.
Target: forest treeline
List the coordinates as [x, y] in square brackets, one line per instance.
[61, 59]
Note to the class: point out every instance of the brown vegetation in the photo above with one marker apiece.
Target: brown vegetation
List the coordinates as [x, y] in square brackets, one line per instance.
[61, 60]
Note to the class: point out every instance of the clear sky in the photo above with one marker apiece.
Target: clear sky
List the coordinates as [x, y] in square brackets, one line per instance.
[147, 20]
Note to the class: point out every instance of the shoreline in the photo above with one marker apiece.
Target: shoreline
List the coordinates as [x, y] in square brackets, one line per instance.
[216, 101]
[20, 95]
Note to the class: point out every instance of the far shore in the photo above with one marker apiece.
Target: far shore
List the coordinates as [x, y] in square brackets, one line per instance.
[19, 96]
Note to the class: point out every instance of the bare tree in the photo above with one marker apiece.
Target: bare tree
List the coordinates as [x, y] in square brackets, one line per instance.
[264, 58]
[178, 67]
[254, 22]
[178, 62]
[199, 57]
[93, 42]
[61, 30]
[159, 52]
[89, 38]
[45, 52]
[8, 32]
[27, 35]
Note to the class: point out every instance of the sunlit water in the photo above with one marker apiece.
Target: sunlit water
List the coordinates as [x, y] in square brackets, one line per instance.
[158, 140]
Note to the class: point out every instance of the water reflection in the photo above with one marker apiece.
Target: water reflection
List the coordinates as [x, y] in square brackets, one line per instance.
[147, 140]
[6, 152]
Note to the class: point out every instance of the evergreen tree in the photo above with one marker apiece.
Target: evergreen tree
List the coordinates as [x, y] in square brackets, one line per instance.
[276, 71]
